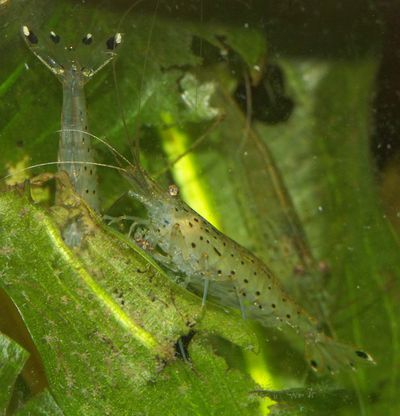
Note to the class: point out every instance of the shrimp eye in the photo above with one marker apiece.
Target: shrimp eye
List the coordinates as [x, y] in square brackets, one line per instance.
[54, 37]
[87, 39]
[114, 41]
[362, 354]
[32, 38]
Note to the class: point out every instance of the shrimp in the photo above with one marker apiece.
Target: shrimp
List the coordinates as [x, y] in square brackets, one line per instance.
[74, 70]
[181, 240]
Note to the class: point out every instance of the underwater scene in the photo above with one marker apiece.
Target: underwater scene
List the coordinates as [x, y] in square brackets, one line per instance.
[199, 207]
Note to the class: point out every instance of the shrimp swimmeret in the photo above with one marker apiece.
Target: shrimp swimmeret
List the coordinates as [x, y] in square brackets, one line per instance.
[182, 241]
[74, 67]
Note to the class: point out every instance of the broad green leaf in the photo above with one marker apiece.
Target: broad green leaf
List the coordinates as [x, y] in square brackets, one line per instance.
[112, 321]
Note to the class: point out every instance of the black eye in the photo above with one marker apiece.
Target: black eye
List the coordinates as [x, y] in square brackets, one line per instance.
[88, 39]
[114, 41]
[54, 37]
[362, 354]
[32, 38]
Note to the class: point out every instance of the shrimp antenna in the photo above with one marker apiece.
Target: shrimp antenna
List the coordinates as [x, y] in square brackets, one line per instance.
[134, 144]
[136, 148]
[135, 154]
[113, 149]
[124, 16]
[193, 146]
[249, 109]
[39, 165]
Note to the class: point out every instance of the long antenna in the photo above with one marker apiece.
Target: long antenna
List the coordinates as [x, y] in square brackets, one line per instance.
[65, 162]
[130, 8]
[136, 148]
[193, 146]
[113, 149]
[135, 145]
[122, 111]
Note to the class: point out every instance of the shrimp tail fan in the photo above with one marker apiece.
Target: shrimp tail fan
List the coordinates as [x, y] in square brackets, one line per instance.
[325, 355]
[85, 57]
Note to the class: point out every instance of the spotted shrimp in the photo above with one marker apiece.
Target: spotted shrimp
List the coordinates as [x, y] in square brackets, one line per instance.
[182, 241]
[74, 67]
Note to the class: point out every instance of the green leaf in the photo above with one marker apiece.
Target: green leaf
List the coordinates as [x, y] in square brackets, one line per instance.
[112, 321]
[42, 404]
[12, 360]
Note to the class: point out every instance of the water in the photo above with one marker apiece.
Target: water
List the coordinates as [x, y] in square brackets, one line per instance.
[302, 170]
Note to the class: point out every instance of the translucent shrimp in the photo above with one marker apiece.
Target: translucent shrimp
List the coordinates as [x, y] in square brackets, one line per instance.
[181, 240]
[74, 67]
